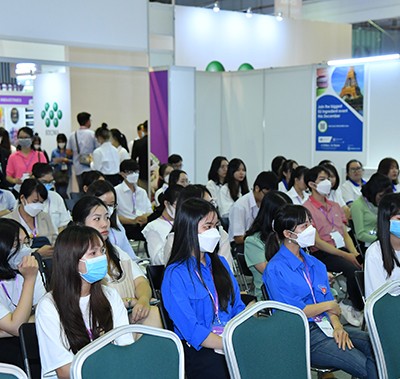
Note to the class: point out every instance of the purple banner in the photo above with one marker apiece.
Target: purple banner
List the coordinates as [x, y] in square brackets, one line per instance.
[16, 100]
[159, 115]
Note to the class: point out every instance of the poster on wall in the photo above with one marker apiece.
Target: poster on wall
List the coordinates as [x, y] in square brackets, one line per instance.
[340, 108]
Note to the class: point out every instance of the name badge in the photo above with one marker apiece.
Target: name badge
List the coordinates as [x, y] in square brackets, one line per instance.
[324, 324]
[338, 239]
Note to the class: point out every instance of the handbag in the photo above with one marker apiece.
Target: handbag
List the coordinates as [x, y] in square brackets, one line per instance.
[83, 159]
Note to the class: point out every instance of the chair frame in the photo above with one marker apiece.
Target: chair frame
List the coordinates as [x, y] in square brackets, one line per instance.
[250, 312]
[372, 327]
[8, 369]
[244, 271]
[82, 355]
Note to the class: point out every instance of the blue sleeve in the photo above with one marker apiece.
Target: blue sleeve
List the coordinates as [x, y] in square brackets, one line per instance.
[182, 313]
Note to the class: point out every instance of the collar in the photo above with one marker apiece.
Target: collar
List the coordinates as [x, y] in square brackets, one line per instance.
[19, 152]
[292, 260]
[252, 200]
[125, 187]
[356, 184]
[318, 204]
[285, 183]
[193, 261]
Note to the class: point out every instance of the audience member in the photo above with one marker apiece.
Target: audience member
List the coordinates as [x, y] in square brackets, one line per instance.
[390, 168]
[140, 152]
[276, 164]
[297, 187]
[286, 172]
[176, 161]
[61, 163]
[351, 188]
[217, 175]
[118, 140]
[37, 146]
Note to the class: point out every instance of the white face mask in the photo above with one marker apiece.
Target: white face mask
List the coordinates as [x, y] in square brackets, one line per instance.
[33, 209]
[15, 260]
[61, 145]
[36, 147]
[324, 187]
[208, 240]
[132, 178]
[170, 210]
[306, 238]
[110, 210]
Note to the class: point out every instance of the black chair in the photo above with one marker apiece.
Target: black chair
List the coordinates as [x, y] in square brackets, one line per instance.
[359, 275]
[243, 271]
[45, 268]
[30, 350]
[264, 292]
[155, 274]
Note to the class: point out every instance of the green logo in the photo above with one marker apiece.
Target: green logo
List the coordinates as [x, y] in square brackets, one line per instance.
[51, 115]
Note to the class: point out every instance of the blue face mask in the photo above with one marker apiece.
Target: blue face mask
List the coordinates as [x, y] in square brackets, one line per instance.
[49, 186]
[395, 228]
[96, 269]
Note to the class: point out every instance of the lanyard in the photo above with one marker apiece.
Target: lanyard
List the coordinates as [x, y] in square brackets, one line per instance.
[169, 222]
[331, 221]
[90, 334]
[6, 291]
[307, 277]
[214, 299]
[34, 232]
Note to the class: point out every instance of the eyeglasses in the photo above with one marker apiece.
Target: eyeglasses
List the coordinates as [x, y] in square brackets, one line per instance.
[356, 169]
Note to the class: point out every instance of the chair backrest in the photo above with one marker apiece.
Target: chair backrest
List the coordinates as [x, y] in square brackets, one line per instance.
[244, 269]
[286, 331]
[382, 313]
[11, 372]
[157, 354]
[30, 350]
[155, 274]
[264, 292]
[359, 275]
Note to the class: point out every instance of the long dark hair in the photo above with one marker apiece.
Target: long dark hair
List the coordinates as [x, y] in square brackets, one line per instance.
[287, 166]
[376, 184]
[388, 207]
[286, 218]
[297, 173]
[174, 177]
[215, 165]
[186, 242]
[161, 172]
[81, 211]
[385, 166]
[120, 138]
[270, 204]
[332, 171]
[233, 185]
[9, 239]
[99, 188]
[71, 244]
[5, 140]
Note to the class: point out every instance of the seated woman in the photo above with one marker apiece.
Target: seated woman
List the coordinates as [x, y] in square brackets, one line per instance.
[79, 309]
[199, 290]
[156, 231]
[175, 177]
[351, 188]
[123, 274]
[106, 192]
[382, 259]
[257, 237]
[29, 213]
[390, 168]
[285, 174]
[364, 210]
[297, 189]
[21, 287]
[217, 175]
[296, 278]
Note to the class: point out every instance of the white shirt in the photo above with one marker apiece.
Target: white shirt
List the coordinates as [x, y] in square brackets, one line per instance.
[375, 274]
[86, 142]
[161, 190]
[242, 215]
[53, 343]
[7, 200]
[225, 200]
[132, 204]
[156, 233]
[123, 154]
[106, 159]
[54, 205]
[336, 196]
[282, 187]
[214, 189]
[350, 191]
[297, 200]
[118, 238]
[14, 290]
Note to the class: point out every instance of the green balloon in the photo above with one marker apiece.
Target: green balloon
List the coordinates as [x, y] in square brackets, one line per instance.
[215, 66]
[43, 115]
[51, 115]
[47, 106]
[47, 122]
[55, 107]
[55, 122]
[245, 67]
[59, 114]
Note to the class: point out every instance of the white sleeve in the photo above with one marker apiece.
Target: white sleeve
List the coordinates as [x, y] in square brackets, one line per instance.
[65, 217]
[97, 160]
[225, 201]
[374, 272]
[168, 248]
[347, 193]
[212, 188]
[53, 352]
[225, 247]
[39, 290]
[237, 220]
[339, 197]
[155, 244]
[124, 155]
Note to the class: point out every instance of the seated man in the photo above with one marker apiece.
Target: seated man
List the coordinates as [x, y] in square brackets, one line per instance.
[133, 203]
[333, 244]
[245, 209]
[54, 204]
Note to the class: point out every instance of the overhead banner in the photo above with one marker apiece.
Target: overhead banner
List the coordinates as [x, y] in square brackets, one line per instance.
[340, 107]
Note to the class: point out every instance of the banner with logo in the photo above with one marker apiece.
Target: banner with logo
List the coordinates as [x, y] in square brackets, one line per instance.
[52, 108]
[340, 107]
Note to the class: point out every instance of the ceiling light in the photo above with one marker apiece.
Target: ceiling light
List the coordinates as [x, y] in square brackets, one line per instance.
[279, 16]
[355, 61]
[249, 13]
[216, 7]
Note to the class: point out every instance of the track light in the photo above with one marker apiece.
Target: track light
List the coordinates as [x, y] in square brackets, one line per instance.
[216, 7]
[279, 16]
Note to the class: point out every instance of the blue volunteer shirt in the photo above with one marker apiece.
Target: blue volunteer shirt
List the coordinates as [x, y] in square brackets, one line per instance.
[285, 279]
[188, 302]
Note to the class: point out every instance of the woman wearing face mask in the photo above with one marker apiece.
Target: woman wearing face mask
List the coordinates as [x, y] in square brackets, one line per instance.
[382, 259]
[156, 232]
[364, 210]
[106, 192]
[199, 290]
[62, 163]
[122, 274]
[79, 309]
[29, 213]
[20, 163]
[217, 175]
[296, 278]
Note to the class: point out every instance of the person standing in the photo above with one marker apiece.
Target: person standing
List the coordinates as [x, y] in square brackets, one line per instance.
[140, 153]
[81, 145]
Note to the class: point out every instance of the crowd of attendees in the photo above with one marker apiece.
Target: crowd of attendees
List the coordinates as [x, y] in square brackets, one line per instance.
[294, 225]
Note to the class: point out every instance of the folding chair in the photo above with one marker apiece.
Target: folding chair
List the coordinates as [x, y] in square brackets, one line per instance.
[10, 371]
[286, 331]
[244, 271]
[382, 313]
[359, 275]
[30, 350]
[156, 354]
